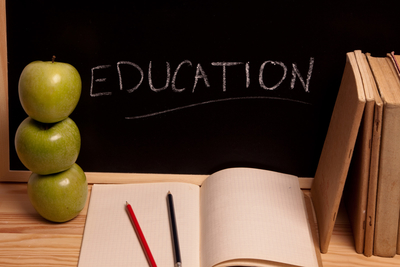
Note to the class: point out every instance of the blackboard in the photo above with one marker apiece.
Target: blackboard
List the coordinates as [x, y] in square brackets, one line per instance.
[195, 86]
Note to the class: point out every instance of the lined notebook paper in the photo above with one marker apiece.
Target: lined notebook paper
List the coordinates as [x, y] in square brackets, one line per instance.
[109, 237]
[269, 220]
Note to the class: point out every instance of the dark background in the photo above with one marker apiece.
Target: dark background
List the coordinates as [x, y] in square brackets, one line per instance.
[281, 129]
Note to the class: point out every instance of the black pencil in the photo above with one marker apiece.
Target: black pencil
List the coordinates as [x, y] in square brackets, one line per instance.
[174, 230]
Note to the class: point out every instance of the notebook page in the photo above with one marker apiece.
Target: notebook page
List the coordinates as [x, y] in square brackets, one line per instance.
[110, 240]
[254, 214]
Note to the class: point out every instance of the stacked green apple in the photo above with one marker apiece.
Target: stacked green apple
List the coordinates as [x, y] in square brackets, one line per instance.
[48, 141]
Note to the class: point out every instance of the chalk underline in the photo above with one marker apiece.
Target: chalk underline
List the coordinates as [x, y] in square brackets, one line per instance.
[213, 101]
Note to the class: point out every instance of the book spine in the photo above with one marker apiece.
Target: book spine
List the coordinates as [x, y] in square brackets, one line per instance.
[388, 193]
[394, 59]
[373, 181]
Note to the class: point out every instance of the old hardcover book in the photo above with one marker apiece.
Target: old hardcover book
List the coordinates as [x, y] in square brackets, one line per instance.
[388, 193]
[333, 166]
[356, 188]
[395, 59]
[374, 166]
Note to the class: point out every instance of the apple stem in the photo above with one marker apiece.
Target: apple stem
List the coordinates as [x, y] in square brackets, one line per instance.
[53, 59]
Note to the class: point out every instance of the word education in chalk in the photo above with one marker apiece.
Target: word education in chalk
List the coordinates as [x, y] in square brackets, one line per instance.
[200, 74]
[130, 77]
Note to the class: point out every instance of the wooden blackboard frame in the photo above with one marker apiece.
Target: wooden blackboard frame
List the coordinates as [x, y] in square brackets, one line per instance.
[7, 175]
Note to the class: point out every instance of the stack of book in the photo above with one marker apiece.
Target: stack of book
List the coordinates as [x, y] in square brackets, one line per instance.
[372, 190]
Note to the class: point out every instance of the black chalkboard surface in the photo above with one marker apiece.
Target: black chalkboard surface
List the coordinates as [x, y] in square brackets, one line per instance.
[196, 86]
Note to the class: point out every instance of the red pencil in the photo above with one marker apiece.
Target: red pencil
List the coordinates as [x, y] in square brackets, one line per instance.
[141, 236]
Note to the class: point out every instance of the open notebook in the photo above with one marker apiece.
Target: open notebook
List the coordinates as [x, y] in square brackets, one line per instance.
[239, 216]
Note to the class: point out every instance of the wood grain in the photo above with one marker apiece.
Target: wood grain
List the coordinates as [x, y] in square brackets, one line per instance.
[342, 252]
[19, 249]
[19, 216]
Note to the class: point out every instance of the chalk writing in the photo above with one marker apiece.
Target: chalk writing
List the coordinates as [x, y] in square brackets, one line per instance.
[166, 82]
[210, 102]
[120, 78]
[224, 65]
[296, 73]
[260, 76]
[200, 75]
[98, 80]
[176, 73]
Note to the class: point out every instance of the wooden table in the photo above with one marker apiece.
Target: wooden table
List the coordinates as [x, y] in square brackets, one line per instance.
[26, 239]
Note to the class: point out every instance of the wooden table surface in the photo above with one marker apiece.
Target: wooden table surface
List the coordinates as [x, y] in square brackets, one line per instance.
[26, 239]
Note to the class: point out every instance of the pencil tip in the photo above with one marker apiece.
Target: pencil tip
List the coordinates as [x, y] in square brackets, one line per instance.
[127, 203]
[169, 192]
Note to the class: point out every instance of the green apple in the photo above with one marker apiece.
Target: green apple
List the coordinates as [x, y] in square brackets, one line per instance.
[61, 196]
[47, 148]
[49, 91]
